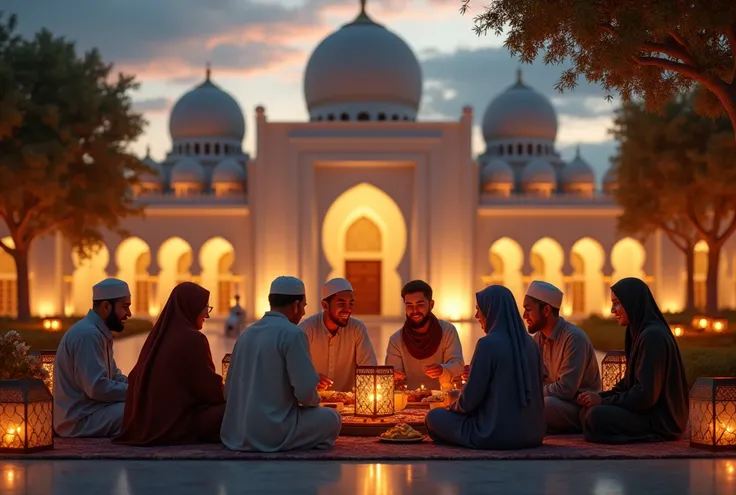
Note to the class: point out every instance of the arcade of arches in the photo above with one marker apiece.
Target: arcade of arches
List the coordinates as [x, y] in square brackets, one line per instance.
[580, 275]
[150, 291]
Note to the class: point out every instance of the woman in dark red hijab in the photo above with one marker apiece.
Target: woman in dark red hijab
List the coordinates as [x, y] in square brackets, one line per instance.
[174, 393]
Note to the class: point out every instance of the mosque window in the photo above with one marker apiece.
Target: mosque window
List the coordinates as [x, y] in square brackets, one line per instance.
[344, 116]
[320, 118]
[529, 149]
[510, 149]
[519, 149]
[500, 149]
[207, 148]
[227, 149]
[186, 148]
[381, 116]
[364, 116]
[196, 148]
[330, 117]
[217, 148]
[406, 117]
[394, 117]
[539, 149]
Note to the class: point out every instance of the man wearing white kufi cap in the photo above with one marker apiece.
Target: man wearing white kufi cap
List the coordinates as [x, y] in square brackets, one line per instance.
[271, 386]
[89, 388]
[568, 355]
[337, 341]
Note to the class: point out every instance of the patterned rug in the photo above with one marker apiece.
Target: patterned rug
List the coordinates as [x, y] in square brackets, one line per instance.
[370, 449]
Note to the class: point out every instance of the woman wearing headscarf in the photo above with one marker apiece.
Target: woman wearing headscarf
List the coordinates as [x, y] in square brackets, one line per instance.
[502, 404]
[650, 404]
[175, 396]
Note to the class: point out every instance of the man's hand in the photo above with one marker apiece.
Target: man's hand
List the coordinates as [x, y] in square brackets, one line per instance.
[433, 370]
[589, 399]
[466, 372]
[324, 382]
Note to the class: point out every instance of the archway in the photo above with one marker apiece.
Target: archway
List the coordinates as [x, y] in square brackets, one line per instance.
[216, 258]
[546, 259]
[174, 261]
[133, 257]
[506, 258]
[365, 208]
[363, 260]
[587, 296]
[8, 281]
[87, 272]
[627, 259]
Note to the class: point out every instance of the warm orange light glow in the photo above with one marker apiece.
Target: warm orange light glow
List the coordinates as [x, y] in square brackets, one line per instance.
[46, 309]
[153, 310]
[719, 325]
[678, 330]
[52, 324]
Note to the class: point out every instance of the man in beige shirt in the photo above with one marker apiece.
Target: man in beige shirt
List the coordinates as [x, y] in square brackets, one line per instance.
[426, 351]
[337, 341]
[568, 355]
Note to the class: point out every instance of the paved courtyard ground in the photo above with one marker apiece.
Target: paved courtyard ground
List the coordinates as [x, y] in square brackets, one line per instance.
[594, 477]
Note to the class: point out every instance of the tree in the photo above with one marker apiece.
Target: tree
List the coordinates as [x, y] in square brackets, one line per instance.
[65, 125]
[676, 173]
[649, 49]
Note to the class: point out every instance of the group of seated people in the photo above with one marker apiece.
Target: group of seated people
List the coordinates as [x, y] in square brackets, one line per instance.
[523, 382]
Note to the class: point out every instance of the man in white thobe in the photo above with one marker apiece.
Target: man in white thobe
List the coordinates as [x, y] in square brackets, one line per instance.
[89, 388]
[337, 341]
[271, 386]
[427, 350]
[568, 355]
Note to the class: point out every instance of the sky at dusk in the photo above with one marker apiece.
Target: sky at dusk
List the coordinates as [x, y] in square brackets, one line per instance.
[258, 50]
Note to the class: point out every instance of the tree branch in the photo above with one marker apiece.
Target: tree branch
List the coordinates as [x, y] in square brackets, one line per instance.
[680, 41]
[5, 248]
[729, 230]
[684, 69]
[672, 51]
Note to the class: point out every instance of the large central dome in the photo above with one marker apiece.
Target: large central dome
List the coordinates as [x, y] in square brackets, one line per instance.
[363, 71]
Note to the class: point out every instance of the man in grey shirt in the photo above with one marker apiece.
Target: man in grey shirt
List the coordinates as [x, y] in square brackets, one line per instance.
[568, 355]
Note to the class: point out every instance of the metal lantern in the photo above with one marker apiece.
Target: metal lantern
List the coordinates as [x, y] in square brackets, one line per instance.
[374, 391]
[226, 365]
[713, 413]
[26, 416]
[47, 358]
[613, 369]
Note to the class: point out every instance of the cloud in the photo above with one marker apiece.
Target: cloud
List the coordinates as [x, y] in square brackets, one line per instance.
[475, 77]
[173, 39]
[152, 105]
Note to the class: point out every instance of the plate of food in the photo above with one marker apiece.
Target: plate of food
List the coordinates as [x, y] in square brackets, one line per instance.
[401, 433]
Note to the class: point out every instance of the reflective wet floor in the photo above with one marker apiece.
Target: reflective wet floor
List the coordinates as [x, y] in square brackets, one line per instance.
[594, 477]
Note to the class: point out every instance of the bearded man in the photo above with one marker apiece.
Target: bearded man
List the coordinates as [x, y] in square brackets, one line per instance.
[568, 355]
[337, 341]
[89, 388]
[425, 351]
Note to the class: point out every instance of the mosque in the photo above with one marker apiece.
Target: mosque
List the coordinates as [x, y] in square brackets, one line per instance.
[365, 191]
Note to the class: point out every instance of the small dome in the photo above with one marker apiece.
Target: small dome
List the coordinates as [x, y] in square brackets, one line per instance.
[538, 171]
[578, 171]
[228, 171]
[363, 63]
[187, 170]
[496, 172]
[147, 177]
[520, 113]
[610, 181]
[207, 112]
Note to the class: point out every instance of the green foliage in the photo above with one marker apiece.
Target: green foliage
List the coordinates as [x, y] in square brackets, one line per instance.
[37, 338]
[65, 127]
[649, 49]
[676, 174]
[704, 354]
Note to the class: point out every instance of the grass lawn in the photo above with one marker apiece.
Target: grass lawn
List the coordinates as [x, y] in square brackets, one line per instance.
[704, 354]
[33, 333]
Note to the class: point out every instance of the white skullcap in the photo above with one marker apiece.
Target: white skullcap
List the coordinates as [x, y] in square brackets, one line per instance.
[545, 292]
[334, 286]
[287, 286]
[110, 288]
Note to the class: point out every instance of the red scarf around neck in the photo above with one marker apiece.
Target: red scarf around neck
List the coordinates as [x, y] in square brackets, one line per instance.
[422, 345]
